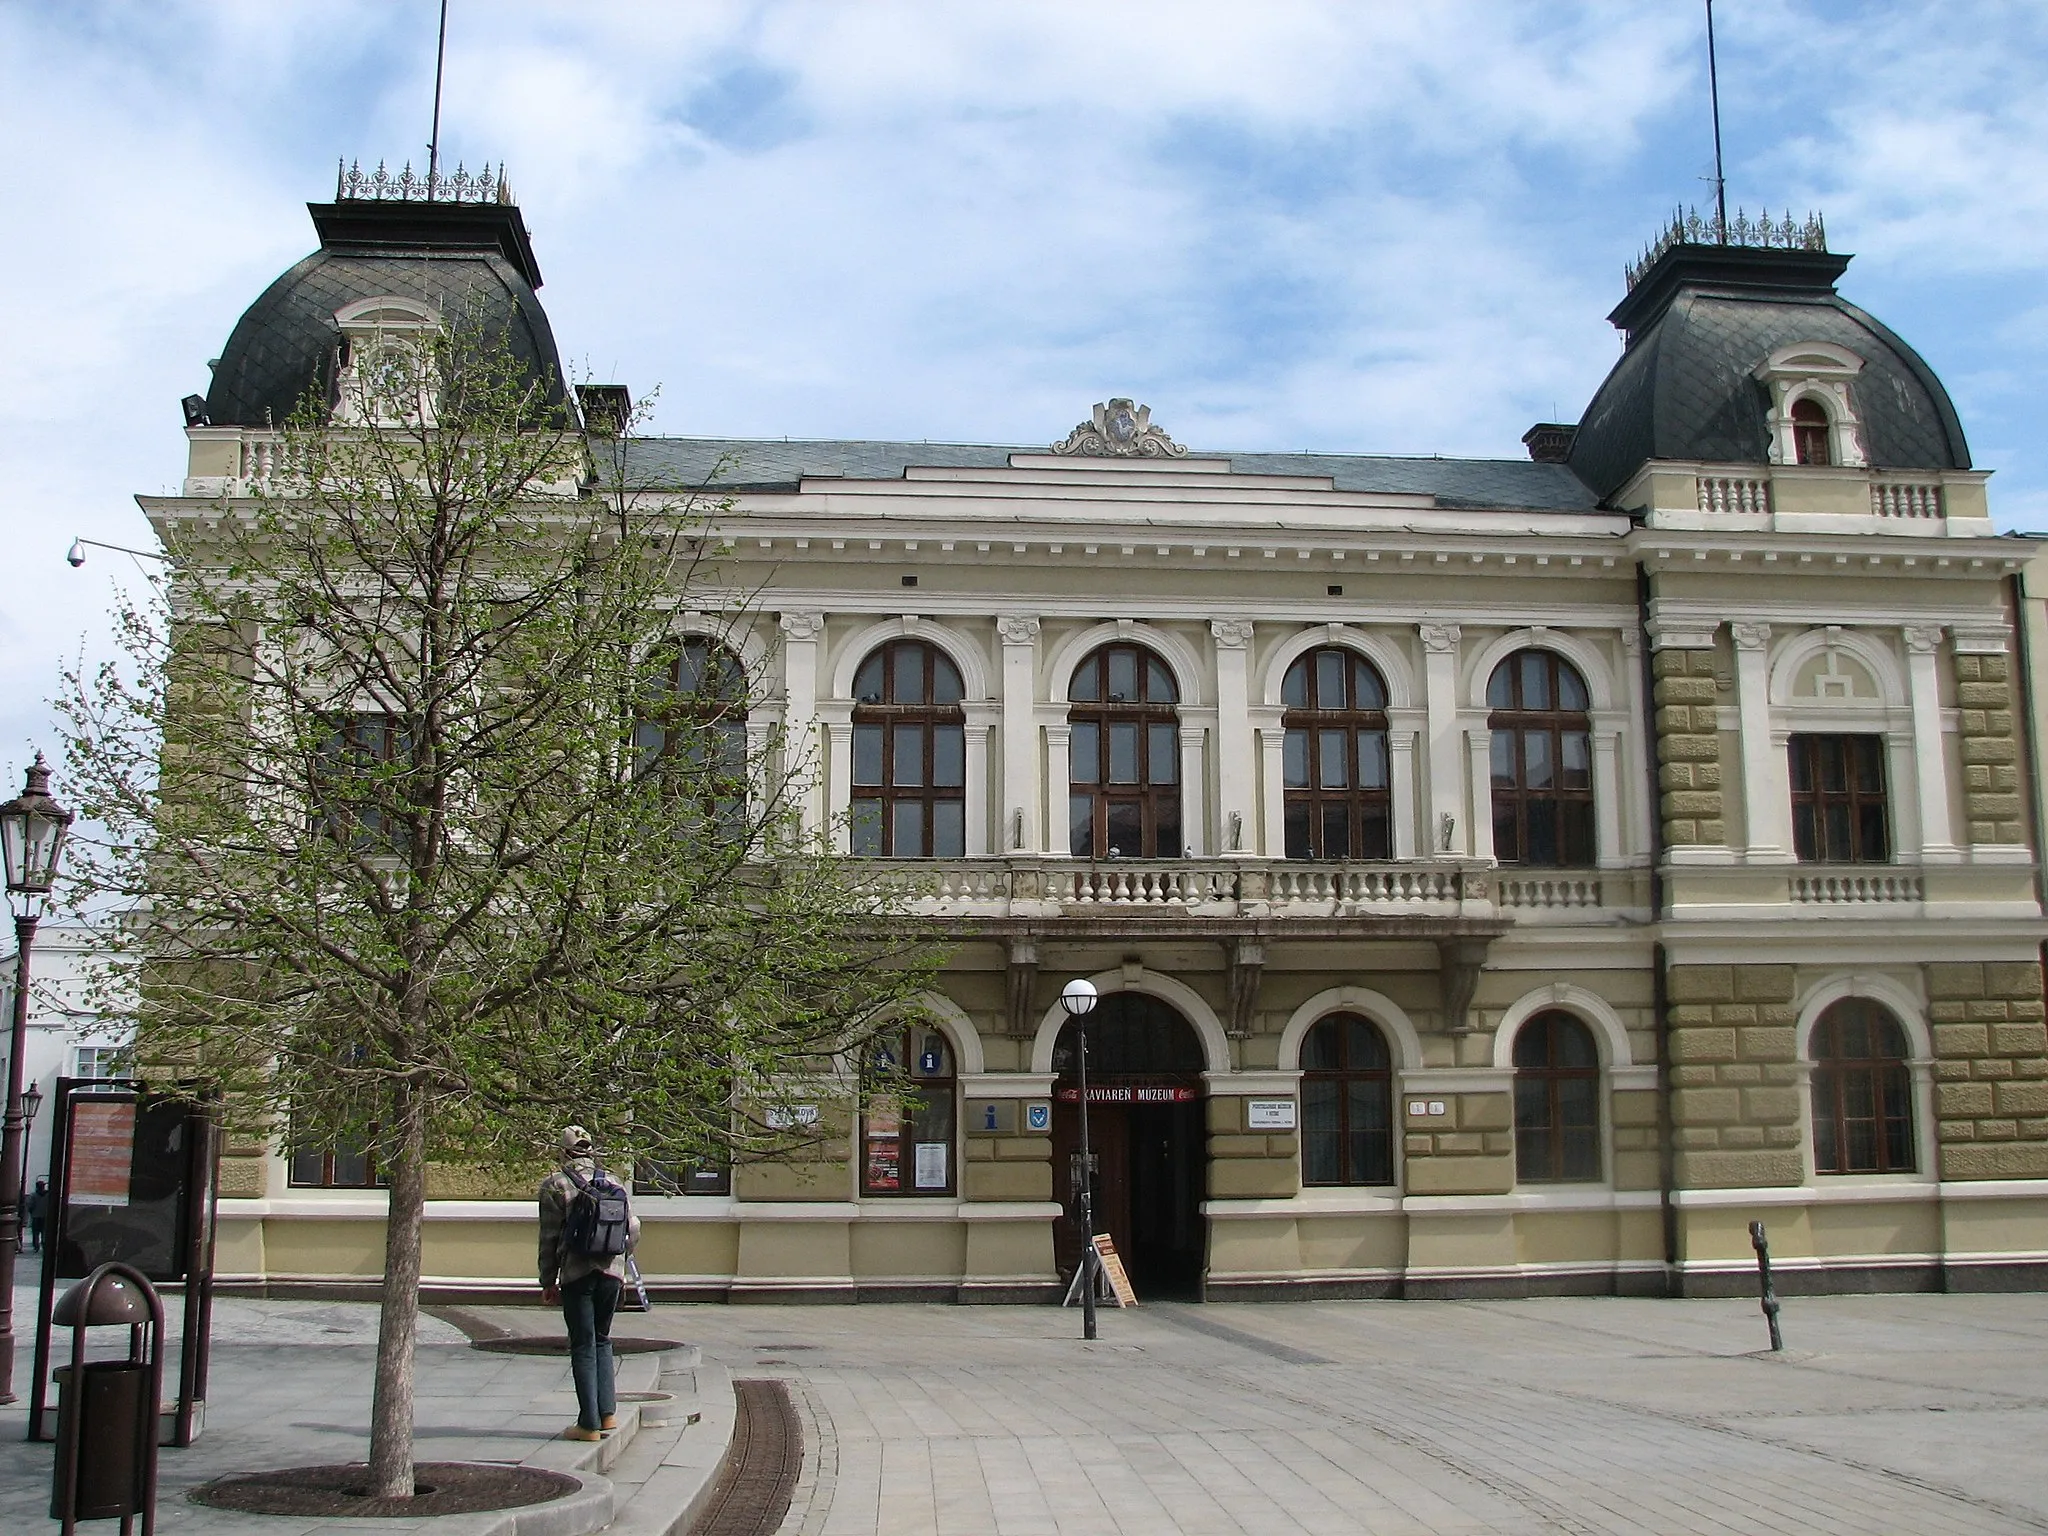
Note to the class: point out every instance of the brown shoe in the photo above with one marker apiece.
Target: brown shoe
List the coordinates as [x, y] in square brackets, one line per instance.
[609, 1421]
[578, 1432]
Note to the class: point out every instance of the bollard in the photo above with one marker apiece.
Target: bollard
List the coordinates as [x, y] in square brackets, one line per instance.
[107, 1409]
[1762, 1245]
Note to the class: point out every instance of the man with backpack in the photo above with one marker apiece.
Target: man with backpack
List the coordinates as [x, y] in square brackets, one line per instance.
[587, 1228]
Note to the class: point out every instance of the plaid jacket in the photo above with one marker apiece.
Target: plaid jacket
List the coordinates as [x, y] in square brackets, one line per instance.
[558, 1266]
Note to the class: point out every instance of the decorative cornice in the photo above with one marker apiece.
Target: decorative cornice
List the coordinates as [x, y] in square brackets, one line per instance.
[1681, 634]
[1119, 429]
[1989, 640]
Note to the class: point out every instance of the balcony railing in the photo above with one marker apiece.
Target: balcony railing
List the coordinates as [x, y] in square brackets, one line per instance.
[1024, 886]
[1855, 890]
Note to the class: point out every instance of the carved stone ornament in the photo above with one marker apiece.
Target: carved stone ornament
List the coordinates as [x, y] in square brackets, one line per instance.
[803, 626]
[1120, 429]
[1017, 628]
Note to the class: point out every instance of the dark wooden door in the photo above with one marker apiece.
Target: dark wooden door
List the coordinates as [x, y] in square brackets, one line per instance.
[1109, 1129]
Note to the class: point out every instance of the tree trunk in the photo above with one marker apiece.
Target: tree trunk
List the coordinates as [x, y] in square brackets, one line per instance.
[391, 1405]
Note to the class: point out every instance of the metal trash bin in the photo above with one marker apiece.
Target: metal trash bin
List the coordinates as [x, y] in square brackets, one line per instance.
[105, 1466]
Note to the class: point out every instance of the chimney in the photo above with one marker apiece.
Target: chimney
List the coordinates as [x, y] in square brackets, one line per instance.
[1550, 442]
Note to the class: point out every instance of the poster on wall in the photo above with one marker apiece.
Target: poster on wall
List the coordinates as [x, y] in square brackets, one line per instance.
[885, 1166]
[102, 1154]
[931, 1165]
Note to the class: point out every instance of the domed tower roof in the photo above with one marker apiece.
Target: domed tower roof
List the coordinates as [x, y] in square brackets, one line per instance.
[466, 259]
[1701, 320]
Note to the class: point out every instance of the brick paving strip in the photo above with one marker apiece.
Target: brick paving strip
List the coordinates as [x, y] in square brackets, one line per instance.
[1890, 1413]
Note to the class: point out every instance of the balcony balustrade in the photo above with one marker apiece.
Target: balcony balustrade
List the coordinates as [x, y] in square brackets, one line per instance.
[1024, 886]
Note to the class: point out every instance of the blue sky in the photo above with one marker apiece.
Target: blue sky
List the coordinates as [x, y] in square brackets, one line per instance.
[1374, 227]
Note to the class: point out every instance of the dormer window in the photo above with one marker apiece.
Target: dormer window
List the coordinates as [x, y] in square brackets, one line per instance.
[1811, 414]
[384, 363]
[1810, 432]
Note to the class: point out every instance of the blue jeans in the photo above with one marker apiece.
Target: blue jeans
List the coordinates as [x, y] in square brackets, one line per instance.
[587, 1307]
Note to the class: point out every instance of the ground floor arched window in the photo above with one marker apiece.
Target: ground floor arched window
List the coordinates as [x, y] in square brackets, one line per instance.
[1862, 1091]
[906, 1123]
[1557, 1101]
[1347, 1111]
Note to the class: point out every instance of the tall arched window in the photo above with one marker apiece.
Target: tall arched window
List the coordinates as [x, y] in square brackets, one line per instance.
[693, 727]
[909, 754]
[1334, 757]
[1862, 1091]
[1125, 751]
[1810, 432]
[1542, 762]
[1557, 1101]
[1347, 1112]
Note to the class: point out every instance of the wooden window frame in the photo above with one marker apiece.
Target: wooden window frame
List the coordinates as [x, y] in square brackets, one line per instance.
[1162, 829]
[931, 1089]
[354, 740]
[1343, 1077]
[1885, 1077]
[372, 1177]
[1552, 1078]
[880, 710]
[684, 708]
[1571, 811]
[1367, 812]
[1811, 842]
[1813, 429]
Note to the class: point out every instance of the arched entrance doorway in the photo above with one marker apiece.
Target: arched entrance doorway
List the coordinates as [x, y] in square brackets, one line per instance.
[1145, 1121]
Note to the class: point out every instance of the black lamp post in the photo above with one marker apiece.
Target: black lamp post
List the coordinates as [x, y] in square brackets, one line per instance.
[1078, 998]
[31, 1103]
[32, 829]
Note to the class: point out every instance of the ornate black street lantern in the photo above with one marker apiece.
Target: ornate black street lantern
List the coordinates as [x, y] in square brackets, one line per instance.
[32, 831]
[1078, 998]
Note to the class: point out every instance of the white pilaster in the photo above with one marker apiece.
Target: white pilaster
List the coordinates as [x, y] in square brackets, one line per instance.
[1234, 769]
[1019, 633]
[1930, 760]
[1446, 752]
[1478, 837]
[1607, 792]
[1766, 785]
[1193, 800]
[1059, 775]
[1273, 777]
[974, 800]
[801, 634]
[1401, 808]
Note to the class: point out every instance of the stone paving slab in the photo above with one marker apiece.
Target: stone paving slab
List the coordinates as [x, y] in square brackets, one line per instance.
[1910, 1414]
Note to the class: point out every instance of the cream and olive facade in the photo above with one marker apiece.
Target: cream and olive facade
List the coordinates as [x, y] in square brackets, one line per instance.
[1500, 876]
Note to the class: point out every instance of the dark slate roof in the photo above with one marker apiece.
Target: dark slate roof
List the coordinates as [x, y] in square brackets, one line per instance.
[284, 345]
[737, 464]
[1684, 390]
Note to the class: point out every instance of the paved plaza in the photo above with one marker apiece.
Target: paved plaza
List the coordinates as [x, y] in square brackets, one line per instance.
[1918, 1414]
[1887, 1414]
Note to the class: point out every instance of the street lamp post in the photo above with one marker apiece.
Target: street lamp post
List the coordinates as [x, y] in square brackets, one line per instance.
[32, 829]
[1078, 998]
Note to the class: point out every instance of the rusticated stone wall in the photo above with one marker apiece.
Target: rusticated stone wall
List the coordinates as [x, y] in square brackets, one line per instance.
[1467, 1150]
[1735, 1109]
[1990, 750]
[1991, 1069]
[1688, 748]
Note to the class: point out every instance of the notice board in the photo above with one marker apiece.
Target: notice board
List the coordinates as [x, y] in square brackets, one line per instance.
[1113, 1270]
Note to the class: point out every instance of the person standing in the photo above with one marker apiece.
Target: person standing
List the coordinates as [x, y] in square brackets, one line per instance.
[38, 1211]
[586, 1230]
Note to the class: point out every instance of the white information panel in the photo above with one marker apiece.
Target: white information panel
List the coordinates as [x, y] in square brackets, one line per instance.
[1269, 1114]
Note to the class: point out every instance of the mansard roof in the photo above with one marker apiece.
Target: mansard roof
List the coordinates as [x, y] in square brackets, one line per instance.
[745, 464]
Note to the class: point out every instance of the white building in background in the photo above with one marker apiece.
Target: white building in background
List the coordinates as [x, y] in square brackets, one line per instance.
[66, 1037]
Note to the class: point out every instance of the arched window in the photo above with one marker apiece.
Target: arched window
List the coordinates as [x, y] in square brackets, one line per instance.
[906, 1123]
[1347, 1110]
[1542, 762]
[1335, 757]
[1557, 1101]
[1125, 751]
[1862, 1091]
[1810, 432]
[693, 727]
[909, 754]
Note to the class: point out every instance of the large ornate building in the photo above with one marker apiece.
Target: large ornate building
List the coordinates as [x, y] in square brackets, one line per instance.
[1502, 876]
